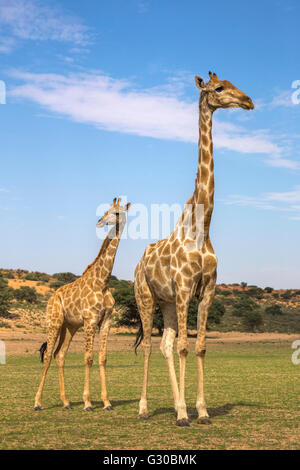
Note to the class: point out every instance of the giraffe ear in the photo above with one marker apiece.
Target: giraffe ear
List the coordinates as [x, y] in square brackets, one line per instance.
[199, 82]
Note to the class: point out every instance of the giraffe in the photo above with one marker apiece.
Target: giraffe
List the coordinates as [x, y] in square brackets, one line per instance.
[172, 271]
[85, 302]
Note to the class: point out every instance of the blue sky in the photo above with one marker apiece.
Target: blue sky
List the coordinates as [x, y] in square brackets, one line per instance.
[101, 102]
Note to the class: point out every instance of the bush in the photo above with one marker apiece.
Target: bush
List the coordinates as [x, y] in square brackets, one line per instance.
[255, 292]
[9, 275]
[56, 284]
[37, 276]
[242, 306]
[274, 310]
[225, 292]
[5, 296]
[26, 293]
[286, 295]
[268, 290]
[215, 313]
[252, 320]
[65, 278]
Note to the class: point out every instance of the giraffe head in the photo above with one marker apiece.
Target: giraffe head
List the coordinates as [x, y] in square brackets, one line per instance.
[115, 213]
[222, 94]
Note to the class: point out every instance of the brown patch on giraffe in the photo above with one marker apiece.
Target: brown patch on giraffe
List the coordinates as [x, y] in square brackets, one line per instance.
[205, 156]
[158, 273]
[203, 128]
[204, 140]
[166, 250]
[186, 271]
[204, 174]
[175, 245]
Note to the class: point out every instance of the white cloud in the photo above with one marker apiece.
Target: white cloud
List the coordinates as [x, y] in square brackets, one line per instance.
[33, 20]
[116, 105]
[276, 201]
[284, 98]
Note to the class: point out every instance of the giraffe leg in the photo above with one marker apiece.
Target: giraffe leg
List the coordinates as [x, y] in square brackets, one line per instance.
[182, 304]
[66, 335]
[51, 340]
[89, 330]
[146, 306]
[167, 345]
[203, 309]
[104, 331]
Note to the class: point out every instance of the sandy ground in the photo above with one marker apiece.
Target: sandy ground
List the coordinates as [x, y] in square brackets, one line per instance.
[22, 342]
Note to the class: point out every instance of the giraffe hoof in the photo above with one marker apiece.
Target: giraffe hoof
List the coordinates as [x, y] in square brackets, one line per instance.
[204, 420]
[144, 416]
[89, 408]
[37, 408]
[108, 408]
[68, 407]
[183, 422]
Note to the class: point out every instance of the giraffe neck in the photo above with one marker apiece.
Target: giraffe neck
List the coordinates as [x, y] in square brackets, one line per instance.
[102, 266]
[204, 184]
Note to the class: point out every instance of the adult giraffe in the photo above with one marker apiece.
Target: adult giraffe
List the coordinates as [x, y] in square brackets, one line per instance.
[171, 273]
[85, 302]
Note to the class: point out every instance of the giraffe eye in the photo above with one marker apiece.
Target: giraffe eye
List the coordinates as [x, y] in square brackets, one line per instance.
[219, 89]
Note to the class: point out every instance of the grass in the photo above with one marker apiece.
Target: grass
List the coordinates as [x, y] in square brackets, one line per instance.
[252, 391]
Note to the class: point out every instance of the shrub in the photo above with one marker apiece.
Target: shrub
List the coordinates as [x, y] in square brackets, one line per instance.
[252, 320]
[268, 290]
[215, 313]
[274, 310]
[65, 278]
[56, 284]
[9, 275]
[5, 296]
[242, 306]
[26, 293]
[37, 276]
[286, 295]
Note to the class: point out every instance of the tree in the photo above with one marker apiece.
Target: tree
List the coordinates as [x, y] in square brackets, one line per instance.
[65, 278]
[56, 284]
[5, 297]
[274, 309]
[26, 293]
[37, 276]
[242, 306]
[252, 320]
[215, 314]
[243, 284]
[125, 299]
[269, 290]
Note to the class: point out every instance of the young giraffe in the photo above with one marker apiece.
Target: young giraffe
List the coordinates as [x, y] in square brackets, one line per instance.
[85, 302]
[171, 272]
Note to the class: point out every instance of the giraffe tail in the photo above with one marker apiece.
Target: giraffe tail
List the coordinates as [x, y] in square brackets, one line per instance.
[139, 337]
[42, 351]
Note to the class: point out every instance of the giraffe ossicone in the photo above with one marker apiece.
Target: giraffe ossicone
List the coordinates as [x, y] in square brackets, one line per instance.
[174, 270]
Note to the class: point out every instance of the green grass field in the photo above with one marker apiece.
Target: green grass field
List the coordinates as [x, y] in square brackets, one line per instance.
[252, 391]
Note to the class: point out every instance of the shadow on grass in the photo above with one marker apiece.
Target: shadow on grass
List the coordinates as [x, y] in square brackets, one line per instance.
[213, 412]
